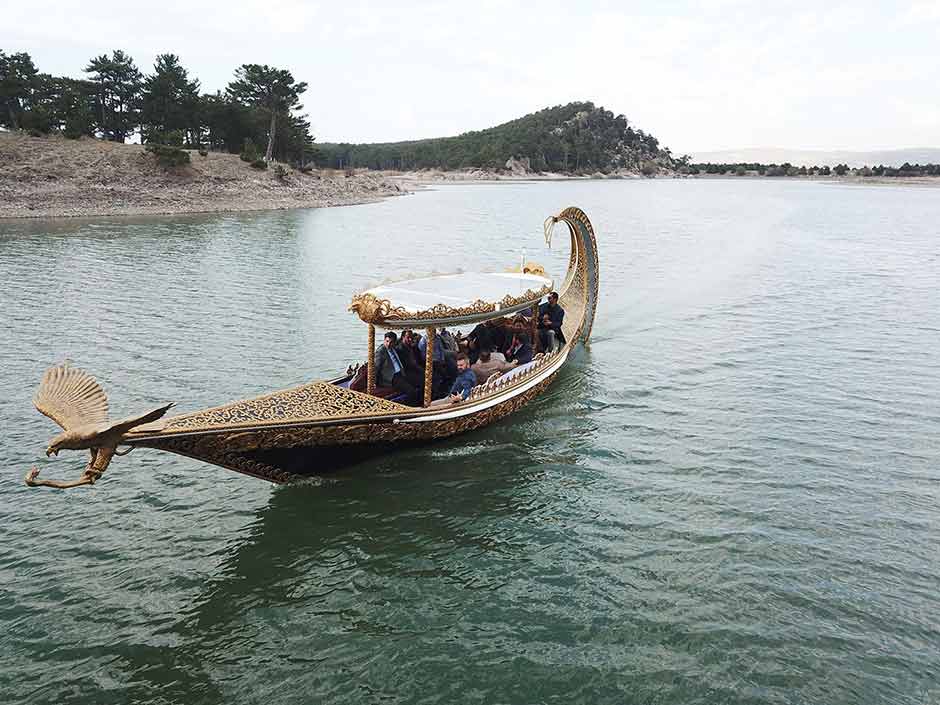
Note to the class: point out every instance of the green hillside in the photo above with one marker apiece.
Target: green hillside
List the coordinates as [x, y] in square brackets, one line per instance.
[572, 138]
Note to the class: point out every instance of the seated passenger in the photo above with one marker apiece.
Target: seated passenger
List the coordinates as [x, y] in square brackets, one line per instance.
[441, 378]
[478, 339]
[498, 333]
[390, 370]
[551, 316]
[451, 348]
[489, 363]
[409, 345]
[449, 341]
[465, 381]
[519, 325]
[411, 360]
[489, 334]
[520, 350]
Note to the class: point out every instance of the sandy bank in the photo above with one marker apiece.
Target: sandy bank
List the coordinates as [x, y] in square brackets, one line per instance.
[56, 177]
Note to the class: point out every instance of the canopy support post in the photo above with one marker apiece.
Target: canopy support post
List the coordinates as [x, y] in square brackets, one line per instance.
[428, 366]
[370, 372]
[534, 333]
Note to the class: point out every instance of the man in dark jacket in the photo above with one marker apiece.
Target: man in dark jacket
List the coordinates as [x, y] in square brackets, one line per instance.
[520, 351]
[551, 316]
[413, 362]
[390, 370]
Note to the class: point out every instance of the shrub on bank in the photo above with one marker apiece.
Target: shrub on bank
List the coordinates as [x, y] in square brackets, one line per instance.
[259, 164]
[250, 152]
[168, 156]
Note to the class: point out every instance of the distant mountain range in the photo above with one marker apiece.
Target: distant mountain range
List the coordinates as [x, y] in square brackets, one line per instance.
[810, 157]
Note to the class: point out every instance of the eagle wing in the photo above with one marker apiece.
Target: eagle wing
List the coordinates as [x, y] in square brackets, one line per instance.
[71, 397]
[125, 425]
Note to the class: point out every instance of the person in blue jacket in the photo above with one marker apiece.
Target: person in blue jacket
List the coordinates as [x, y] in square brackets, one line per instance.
[466, 380]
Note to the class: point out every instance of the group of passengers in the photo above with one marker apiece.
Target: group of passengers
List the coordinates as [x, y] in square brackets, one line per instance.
[461, 363]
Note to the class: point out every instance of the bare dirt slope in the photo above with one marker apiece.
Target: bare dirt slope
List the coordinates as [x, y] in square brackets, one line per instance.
[54, 176]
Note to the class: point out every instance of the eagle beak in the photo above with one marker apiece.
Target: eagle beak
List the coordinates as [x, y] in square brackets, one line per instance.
[51, 451]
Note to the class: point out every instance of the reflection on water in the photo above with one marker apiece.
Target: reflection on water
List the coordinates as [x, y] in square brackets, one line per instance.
[730, 497]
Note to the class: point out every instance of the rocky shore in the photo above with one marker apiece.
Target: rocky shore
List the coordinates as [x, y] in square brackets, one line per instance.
[56, 177]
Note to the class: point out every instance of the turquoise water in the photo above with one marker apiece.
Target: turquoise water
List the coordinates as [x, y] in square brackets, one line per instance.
[731, 496]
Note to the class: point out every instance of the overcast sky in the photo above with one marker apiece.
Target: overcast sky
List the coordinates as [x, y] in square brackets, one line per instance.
[699, 75]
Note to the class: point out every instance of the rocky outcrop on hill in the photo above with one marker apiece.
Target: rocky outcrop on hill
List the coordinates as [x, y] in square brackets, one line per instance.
[54, 176]
[519, 167]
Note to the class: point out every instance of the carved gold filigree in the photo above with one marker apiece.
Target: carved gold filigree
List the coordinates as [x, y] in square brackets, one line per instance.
[310, 402]
[372, 309]
[579, 293]
[444, 311]
[499, 382]
[378, 311]
[370, 361]
[228, 449]
[428, 366]
[509, 300]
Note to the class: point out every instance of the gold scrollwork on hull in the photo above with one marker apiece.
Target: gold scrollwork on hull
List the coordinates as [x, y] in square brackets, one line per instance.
[580, 291]
[310, 402]
[229, 449]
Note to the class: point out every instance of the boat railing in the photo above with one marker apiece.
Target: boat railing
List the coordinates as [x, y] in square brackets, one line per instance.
[499, 381]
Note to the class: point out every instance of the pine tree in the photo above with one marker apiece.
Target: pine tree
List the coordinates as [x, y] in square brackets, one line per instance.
[17, 83]
[117, 102]
[272, 90]
[169, 102]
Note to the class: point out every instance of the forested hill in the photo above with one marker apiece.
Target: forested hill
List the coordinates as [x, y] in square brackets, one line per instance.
[572, 138]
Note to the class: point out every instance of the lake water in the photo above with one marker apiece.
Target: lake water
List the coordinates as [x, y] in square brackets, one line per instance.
[731, 496]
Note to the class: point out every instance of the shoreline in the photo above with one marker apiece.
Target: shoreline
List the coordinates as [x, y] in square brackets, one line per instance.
[201, 209]
[51, 177]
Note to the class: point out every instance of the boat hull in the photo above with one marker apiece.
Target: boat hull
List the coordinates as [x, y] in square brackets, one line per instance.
[280, 454]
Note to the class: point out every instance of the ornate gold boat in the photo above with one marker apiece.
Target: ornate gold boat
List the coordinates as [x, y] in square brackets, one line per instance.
[310, 428]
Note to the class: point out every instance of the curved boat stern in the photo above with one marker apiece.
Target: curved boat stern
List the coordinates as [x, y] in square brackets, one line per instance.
[578, 295]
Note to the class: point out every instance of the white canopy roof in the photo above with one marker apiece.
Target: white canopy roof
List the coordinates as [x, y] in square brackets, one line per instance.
[458, 290]
[448, 298]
